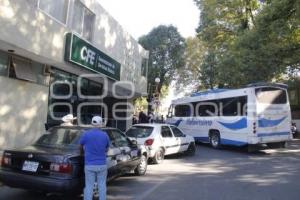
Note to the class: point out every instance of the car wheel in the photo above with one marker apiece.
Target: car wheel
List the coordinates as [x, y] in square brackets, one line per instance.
[159, 156]
[215, 140]
[191, 149]
[142, 167]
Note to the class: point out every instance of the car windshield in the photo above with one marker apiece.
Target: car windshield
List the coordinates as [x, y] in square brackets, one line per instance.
[139, 131]
[60, 137]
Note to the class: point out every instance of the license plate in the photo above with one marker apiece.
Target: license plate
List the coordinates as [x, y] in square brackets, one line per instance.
[30, 166]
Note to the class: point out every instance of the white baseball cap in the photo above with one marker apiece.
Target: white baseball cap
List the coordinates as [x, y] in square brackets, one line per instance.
[68, 118]
[97, 121]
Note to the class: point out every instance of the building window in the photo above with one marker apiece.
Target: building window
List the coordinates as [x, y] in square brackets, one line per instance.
[56, 9]
[67, 84]
[22, 69]
[83, 21]
[144, 67]
[3, 64]
[16, 67]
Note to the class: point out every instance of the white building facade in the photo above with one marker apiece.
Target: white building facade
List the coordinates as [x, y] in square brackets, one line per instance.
[60, 57]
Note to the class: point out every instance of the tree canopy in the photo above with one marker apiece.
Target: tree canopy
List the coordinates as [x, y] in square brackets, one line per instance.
[247, 41]
[166, 47]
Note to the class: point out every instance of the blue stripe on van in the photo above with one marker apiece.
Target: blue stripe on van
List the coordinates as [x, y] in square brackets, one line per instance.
[233, 142]
[240, 124]
[177, 123]
[223, 141]
[263, 123]
[201, 139]
[272, 134]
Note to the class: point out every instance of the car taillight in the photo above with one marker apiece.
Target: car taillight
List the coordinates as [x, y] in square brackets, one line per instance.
[61, 168]
[2, 161]
[149, 142]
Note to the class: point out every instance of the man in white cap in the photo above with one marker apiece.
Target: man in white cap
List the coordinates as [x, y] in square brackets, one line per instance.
[95, 143]
[68, 120]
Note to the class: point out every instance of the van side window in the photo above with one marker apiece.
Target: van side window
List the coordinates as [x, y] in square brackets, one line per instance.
[183, 110]
[206, 108]
[233, 106]
[166, 132]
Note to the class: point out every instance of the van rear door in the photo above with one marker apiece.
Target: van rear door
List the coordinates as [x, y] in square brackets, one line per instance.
[274, 116]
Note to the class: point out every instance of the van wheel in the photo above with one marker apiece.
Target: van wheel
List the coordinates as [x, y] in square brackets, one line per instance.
[191, 149]
[159, 156]
[215, 140]
[141, 169]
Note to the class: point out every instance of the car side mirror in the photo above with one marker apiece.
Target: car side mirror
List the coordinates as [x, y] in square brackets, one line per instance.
[113, 151]
[134, 142]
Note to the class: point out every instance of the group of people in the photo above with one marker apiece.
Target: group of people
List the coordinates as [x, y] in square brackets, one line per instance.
[94, 144]
[143, 118]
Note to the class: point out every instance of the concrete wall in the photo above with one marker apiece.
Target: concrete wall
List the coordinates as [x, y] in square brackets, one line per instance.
[23, 112]
[36, 35]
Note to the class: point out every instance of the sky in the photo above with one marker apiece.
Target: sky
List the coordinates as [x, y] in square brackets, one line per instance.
[139, 17]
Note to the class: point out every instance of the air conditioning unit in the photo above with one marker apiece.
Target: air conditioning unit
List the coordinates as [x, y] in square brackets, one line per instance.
[47, 70]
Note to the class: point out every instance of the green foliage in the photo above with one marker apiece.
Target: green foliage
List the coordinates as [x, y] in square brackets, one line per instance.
[166, 47]
[140, 104]
[191, 73]
[247, 41]
[272, 46]
[221, 23]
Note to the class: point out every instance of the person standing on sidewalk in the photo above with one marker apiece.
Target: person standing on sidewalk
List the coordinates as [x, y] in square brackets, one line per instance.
[95, 143]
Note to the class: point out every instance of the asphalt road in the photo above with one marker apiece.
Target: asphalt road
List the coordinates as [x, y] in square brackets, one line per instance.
[229, 174]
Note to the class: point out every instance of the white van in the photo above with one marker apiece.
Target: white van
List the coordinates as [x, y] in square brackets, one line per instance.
[257, 114]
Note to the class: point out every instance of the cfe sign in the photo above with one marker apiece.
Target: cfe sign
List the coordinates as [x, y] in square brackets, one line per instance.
[88, 55]
[84, 54]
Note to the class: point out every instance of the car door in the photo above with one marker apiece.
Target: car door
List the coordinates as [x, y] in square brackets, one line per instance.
[181, 138]
[170, 143]
[128, 157]
[113, 154]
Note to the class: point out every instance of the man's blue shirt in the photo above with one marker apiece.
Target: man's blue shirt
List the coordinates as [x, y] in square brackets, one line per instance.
[95, 143]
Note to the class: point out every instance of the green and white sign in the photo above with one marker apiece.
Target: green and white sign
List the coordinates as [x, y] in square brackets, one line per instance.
[82, 53]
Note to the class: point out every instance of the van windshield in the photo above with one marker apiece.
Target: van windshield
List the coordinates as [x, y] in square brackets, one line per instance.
[269, 95]
[139, 131]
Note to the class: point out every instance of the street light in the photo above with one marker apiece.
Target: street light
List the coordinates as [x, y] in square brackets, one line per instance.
[157, 80]
[156, 100]
[152, 96]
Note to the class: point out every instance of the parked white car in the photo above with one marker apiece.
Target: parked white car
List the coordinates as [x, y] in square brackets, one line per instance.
[161, 140]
